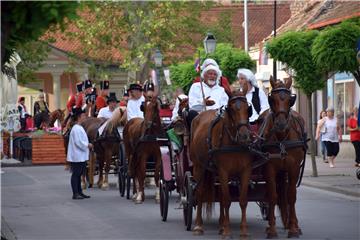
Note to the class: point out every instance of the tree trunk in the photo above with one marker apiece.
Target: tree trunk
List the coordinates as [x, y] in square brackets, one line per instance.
[311, 134]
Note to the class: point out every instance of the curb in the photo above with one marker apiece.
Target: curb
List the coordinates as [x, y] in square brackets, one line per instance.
[331, 188]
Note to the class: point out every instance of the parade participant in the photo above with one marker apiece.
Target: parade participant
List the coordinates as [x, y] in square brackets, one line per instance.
[78, 153]
[23, 113]
[40, 105]
[101, 99]
[255, 95]
[223, 81]
[135, 101]
[206, 95]
[89, 95]
[178, 95]
[125, 99]
[75, 101]
[112, 102]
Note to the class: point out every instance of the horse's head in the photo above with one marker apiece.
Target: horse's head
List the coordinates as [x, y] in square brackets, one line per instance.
[151, 113]
[238, 112]
[183, 104]
[281, 100]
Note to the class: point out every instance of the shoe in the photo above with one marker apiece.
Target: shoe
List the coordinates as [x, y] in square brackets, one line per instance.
[77, 197]
[84, 196]
[332, 166]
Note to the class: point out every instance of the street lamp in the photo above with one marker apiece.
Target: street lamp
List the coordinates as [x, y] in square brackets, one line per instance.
[209, 43]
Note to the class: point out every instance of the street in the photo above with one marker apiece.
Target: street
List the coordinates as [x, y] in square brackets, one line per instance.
[37, 204]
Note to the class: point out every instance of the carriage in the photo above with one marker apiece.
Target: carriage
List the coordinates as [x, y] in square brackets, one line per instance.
[265, 154]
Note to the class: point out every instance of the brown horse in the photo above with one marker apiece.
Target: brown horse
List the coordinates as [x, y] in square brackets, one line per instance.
[284, 134]
[105, 146]
[140, 147]
[219, 144]
[44, 120]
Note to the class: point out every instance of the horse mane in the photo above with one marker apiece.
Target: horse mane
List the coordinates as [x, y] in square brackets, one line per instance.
[116, 120]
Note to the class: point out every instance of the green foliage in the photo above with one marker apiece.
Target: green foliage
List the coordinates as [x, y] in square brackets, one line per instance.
[23, 22]
[229, 59]
[294, 49]
[334, 50]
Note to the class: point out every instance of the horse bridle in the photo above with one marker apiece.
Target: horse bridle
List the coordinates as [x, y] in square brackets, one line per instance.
[237, 100]
[153, 120]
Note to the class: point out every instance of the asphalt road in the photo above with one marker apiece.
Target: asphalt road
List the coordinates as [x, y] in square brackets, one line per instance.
[36, 204]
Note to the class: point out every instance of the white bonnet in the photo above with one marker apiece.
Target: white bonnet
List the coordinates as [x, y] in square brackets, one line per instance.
[248, 74]
[209, 61]
[211, 67]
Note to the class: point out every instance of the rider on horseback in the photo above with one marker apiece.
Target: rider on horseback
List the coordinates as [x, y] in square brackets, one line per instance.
[101, 100]
[135, 101]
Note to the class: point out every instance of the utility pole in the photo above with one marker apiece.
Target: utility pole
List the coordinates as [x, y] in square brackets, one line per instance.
[274, 62]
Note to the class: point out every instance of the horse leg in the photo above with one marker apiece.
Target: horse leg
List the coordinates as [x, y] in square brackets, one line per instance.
[107, 160]
[294, 230]
[271, 191]
[141, 172]
[221, 218]
[198, 228]
[243, 200]
[101, 167]
[225, 199]
[91, 168]
[157, 175]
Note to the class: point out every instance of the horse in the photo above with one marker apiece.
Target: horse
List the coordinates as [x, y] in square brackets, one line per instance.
[44, 120]
[284, 135]
[219, 145]
[139, 150]
[105, 146]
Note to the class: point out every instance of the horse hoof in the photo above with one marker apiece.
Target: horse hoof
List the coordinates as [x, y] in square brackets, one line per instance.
[90, 185]
[221, 230]
[271, 235]
[157, 201]
[83, 186]
[293, 234]
[300, 232]
[226, 236]
[134, 196]
[105, 186]
[137, 201]
[198, 231]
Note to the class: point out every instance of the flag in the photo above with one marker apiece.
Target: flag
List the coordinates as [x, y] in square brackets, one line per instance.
[197, 65]
[263, 55]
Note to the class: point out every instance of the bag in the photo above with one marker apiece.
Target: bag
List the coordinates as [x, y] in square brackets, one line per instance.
[174, 138]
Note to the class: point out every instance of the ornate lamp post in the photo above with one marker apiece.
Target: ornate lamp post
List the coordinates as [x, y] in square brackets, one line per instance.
[209, 43]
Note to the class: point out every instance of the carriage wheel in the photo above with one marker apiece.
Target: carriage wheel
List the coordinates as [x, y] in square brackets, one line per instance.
[122, 180]
[188, 201]
[264, 210]
[164, 200]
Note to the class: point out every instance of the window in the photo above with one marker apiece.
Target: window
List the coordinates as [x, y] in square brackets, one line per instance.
[343, 98]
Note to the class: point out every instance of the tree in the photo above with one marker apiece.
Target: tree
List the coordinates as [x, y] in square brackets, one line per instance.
[230, 59]
[294, 49]
[23, 22]
[334, 50]
[133, 29]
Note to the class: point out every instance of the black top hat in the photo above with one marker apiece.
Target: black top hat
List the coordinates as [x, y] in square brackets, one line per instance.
[104, 85]
[87, 84]
[112, 98]
[149, 86]
[79, 86]
[135, 86]
[126, 93]
[76, 111]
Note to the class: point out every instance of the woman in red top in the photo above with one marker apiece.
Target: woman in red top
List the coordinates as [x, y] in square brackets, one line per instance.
[355, 134]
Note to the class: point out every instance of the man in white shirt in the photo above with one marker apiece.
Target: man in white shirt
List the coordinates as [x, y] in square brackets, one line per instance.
[214, 95]
[135, 101]
[107, 112]
[208, 96]
[255, 95]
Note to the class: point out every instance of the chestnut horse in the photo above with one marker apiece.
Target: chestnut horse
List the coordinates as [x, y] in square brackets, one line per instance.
[219, 144]
[284, 134]
[45, 120]
[105, 146]
[140, 146]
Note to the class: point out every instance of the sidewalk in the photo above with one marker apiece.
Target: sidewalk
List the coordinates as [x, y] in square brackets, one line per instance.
[341, 179]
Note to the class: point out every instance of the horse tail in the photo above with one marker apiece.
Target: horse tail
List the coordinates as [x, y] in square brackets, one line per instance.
[209, 193]
[282, 201]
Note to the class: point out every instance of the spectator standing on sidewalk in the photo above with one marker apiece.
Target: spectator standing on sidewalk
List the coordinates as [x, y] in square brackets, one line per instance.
[355, 134]
[78, 153]
[332, 136]
[320, 132]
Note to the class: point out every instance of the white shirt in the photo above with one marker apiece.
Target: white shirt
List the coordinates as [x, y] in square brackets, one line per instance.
[78, 150]
[105, 113]
[133, 108]
[264, 103]
[331, 133]
[216, 93]
[176, 107]
[23, 112]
